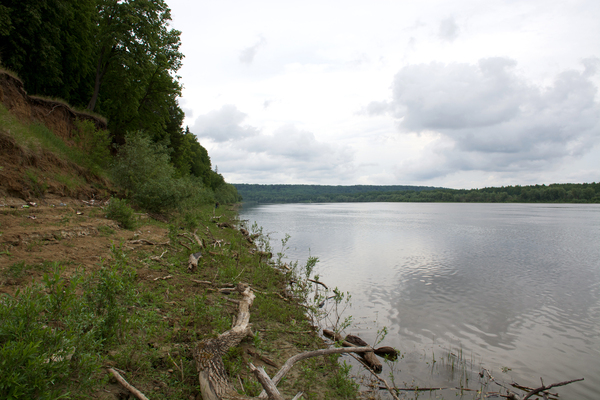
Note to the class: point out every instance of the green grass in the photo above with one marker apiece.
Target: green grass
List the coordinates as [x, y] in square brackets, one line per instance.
[35, 137]
[112, 317]
[20, 269]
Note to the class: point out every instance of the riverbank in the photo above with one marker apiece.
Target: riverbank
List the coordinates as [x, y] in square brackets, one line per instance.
[107, 297]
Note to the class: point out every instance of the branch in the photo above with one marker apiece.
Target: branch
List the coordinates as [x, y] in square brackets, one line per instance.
[319, 283]
[266, 383]
[315, 353]
[127, 386]
[542, 388]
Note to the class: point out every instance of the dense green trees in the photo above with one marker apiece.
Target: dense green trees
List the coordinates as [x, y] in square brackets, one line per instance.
[118, 58]
[555, 193]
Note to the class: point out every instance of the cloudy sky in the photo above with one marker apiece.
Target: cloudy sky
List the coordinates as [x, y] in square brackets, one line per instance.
[460, 94]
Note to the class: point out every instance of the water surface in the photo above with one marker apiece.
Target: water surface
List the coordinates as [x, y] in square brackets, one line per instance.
[512, 285]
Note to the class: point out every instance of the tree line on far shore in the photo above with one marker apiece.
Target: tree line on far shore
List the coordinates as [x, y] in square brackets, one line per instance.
[554, 193]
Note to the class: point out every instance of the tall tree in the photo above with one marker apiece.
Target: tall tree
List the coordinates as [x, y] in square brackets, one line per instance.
[136, 62]
[48, 43]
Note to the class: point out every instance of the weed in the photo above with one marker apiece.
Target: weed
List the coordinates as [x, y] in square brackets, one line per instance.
[38, 187]
[106, 230]
[120, 211]
[20, 269]
[345, 387]
[94, 142]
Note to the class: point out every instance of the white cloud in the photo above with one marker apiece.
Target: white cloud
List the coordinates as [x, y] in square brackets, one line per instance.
[247, 55]
[245, 154]
[223, 125]
[490, 119]
[523, 111]
[449, 30]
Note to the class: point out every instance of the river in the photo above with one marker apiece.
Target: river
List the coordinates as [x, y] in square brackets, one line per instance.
[514, 288]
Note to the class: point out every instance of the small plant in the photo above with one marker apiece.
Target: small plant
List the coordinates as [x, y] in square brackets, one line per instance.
[94, 142]
[39, 188]
[106, 230]
[345, 387]
[120, 211]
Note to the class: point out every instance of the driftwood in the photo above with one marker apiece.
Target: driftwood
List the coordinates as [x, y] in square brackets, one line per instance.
[384, 351]
[309, 354]
[127, 386]
[368, 357]
[208, 354]
[544, 388]
[148, 242]
[193, 261]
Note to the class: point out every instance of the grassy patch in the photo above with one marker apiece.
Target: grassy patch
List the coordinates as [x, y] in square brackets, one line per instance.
[126, 316]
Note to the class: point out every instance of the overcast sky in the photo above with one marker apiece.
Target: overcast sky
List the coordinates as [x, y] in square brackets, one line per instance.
[459, 94]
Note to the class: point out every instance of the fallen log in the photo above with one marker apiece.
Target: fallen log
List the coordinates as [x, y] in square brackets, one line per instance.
[386, 352]
[208, 353]
[214, 384]
[368, 357]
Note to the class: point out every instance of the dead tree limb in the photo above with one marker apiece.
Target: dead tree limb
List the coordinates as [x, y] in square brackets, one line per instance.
[193, 261]
[309, 354]
[369, 356]
[127, 386]
[266, 382]
[209, 352]
[543, 388]
[198, 239]
[319, 283]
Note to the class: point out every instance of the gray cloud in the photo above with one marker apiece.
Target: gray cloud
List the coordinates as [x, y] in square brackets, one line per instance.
[288, 154]
[449, 30]
[487, 118]
[223, 125]
[247, 55]
[376, 108]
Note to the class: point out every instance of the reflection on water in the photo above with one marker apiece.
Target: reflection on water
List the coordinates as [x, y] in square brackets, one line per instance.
[514, 285]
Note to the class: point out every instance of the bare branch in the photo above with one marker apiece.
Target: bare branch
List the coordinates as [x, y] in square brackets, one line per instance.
[266, 382]
[543, 388]
[315, 353]
[127, 386]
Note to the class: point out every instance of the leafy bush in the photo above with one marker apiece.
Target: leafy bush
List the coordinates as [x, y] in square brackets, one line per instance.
[52, 334]
[143, 169]
[120, 211]
[43, 344]
[94, 142]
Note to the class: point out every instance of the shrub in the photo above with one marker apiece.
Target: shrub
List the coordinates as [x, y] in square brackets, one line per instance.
[121, 212]
[94, 142]
[143, 168]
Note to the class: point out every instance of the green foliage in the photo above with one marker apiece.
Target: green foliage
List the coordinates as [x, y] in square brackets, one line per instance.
[94, 142]
[345, 387]
[109, 290]
[118, 57]
[51, 333]
[120, 211]
[143, 168]
[48, 43]
[226, 194]
[555, 193]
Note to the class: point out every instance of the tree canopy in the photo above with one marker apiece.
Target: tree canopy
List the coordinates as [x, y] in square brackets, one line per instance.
[555, 193]
[118, 58]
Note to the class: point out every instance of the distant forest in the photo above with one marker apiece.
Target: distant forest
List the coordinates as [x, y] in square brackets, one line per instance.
[554, 193]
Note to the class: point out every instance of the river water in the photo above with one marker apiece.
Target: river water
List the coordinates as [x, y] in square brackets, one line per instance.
[513, 287]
